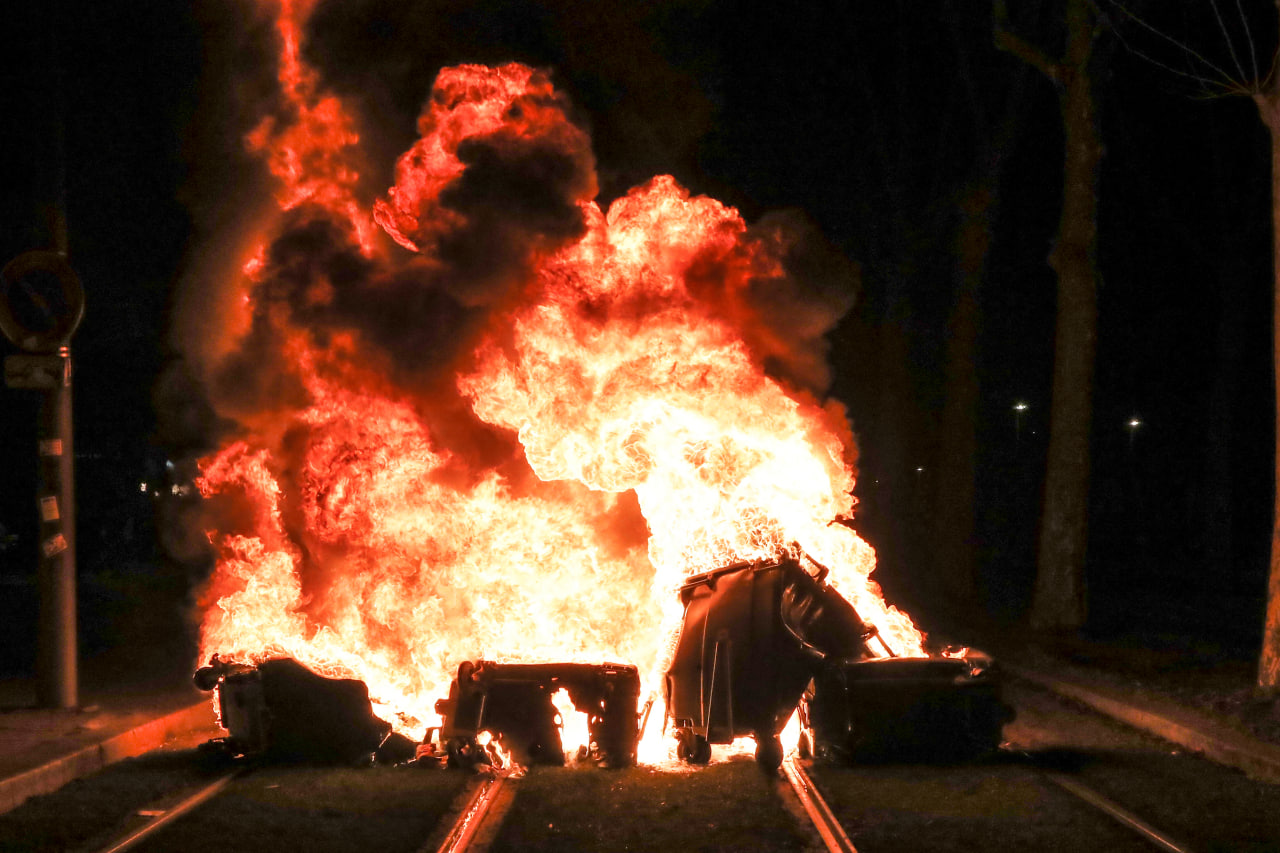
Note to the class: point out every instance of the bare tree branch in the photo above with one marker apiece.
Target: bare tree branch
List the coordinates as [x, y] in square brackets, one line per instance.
[1211, 87]
[1226, 37]
[1222, 83]
[1248, 39]
[1013, 44]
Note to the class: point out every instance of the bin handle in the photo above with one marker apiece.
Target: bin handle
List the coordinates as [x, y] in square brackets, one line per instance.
[804, 644]
[872, 631]
[823, 571]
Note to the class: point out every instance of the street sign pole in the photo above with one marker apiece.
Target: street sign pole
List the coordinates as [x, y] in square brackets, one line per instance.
[41, 305]
[57, 666]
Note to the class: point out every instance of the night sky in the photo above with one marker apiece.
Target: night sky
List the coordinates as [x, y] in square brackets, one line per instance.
[866, 117]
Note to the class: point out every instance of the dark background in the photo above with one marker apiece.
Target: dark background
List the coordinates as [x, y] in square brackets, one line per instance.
[866, 117]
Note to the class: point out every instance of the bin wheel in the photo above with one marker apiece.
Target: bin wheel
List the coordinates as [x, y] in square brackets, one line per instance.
[693, 748]
[683, 750]
[769, 753]
[461, 752]
[701, 750]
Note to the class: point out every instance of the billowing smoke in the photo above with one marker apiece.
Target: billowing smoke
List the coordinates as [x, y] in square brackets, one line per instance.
[492, 189]
[478, 385]
[494, 183]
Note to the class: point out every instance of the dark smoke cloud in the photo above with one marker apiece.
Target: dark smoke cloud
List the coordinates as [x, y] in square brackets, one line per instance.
[519, 205]
[481, 237]
[792, 314]
[405, 324]
[419, 316]
[227, 193]
[784, 318]
[516, 200]
[641, 74]
[185, 418]
[415, 319]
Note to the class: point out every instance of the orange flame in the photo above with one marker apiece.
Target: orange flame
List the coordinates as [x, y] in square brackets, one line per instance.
[311, 152]
[726, 465]
[654, 444]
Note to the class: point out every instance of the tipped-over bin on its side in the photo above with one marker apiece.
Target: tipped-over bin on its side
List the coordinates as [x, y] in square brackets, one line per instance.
[513, 702]
[281, 710]
[935, 708]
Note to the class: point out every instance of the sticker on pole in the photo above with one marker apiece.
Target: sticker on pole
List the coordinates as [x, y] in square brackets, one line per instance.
[41, 301]
[41, 372]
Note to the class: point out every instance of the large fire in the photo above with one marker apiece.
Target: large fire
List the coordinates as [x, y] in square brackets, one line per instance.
[510, 430]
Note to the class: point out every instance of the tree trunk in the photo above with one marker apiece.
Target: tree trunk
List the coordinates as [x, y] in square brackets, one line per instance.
[1215, 547]
[1268, 103]
[954, 559]
[1059, 600]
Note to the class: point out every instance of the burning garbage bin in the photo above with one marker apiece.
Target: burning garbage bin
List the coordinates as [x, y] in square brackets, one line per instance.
[936, 709]
[513, 703]
[281, 710]
[753, 636]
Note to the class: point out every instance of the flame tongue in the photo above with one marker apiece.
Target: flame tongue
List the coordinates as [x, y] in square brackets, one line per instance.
[618, 379]
[397, 573]
[360, 536]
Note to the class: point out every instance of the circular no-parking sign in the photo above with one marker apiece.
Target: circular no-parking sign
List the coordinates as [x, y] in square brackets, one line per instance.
[41, 301]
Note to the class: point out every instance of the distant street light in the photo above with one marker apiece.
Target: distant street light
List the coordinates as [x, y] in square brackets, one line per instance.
[1018, 408]
[1133, 424]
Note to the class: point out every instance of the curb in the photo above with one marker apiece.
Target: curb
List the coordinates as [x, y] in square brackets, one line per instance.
[82, 762]
[1258, 760]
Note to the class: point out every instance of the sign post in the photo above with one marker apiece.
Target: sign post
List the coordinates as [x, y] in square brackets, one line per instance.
[41, 305]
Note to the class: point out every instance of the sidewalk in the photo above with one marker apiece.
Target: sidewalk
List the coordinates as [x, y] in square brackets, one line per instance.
[1199, 701]
[1193, 730]
[127, 707]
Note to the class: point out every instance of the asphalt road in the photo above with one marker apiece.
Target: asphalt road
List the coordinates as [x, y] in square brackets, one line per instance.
[1008, 802]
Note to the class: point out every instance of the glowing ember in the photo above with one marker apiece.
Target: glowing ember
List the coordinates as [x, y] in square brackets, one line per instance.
[515, 439]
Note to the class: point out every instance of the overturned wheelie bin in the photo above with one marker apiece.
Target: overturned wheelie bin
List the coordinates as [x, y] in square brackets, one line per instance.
[754, 634]
[513, 702]
[943, 708]
[281, 710]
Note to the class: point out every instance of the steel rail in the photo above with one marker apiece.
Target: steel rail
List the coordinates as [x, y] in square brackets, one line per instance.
[1116, 812]
[167, 816]
[824, 820]
[480, 805]
[834, 837]
[1108, 807]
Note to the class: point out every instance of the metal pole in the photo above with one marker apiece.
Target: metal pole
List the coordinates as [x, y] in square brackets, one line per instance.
[57, 676]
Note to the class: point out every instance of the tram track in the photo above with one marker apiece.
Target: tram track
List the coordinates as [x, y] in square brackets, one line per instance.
[486, 807]
[482, 809]
[1158, 838]
[478, 820]
[815, 807]
[817, 796]
[485, 804]
[1140, 828]
[160, 817]
[249, 805]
